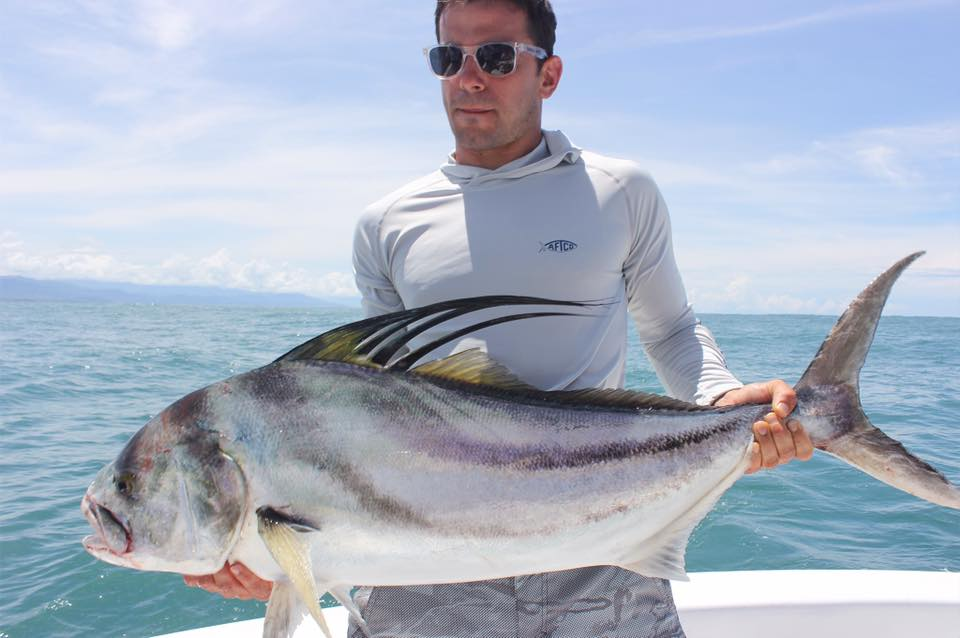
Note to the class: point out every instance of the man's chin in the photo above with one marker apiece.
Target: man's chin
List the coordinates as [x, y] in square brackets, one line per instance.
[474, 140]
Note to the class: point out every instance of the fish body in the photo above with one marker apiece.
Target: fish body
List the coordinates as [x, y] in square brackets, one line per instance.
[342, 464]
[443, 483]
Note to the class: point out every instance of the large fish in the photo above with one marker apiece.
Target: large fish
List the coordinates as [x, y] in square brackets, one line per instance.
[341, 464]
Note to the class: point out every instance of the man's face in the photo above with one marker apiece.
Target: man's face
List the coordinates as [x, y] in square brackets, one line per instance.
[488, 113]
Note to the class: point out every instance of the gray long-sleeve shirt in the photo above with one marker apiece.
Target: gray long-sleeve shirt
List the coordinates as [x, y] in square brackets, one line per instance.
[559, 223]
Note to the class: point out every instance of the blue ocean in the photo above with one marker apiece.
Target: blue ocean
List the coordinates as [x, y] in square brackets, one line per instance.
[77, 380]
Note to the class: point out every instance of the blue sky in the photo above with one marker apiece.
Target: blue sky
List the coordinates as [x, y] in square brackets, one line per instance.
[801, 147]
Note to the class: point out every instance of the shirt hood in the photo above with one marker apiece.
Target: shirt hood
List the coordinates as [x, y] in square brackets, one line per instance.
[554, 149]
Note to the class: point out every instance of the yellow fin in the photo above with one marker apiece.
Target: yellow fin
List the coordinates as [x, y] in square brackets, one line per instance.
[472, 366]
[292, 552]
[476, 368]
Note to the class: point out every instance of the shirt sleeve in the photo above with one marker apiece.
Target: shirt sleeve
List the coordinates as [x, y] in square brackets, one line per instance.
[371, 269]
[683, 352]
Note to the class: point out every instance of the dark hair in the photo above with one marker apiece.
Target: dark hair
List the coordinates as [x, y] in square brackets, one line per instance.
[541, 21]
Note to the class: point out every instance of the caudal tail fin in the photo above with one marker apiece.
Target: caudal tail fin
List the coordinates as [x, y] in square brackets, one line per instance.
[829, 394]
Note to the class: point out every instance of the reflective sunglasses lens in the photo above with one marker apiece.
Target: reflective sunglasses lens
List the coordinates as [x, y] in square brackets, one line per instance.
[445, 60]
[496, 58]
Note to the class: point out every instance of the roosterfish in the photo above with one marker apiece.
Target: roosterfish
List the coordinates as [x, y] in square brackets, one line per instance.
[346, 462]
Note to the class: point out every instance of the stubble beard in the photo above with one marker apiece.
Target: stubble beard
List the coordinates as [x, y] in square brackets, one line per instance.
[505, 133]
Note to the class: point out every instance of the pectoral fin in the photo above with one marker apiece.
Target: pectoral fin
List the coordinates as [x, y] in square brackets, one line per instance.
[291, 550]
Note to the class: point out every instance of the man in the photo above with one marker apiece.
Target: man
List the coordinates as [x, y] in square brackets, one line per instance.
[517, 210]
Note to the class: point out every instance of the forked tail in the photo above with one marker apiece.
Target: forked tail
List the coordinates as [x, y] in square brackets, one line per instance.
[829, 401]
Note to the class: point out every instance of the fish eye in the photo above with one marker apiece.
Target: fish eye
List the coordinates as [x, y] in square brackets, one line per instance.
[124, 483]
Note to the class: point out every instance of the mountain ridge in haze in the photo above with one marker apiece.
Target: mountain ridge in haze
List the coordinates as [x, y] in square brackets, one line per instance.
[17, 288]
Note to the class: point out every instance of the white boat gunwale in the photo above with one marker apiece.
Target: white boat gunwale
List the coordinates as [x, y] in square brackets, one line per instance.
[743, 604]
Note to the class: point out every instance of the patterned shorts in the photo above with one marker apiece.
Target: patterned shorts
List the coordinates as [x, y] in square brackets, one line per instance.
[596, 602]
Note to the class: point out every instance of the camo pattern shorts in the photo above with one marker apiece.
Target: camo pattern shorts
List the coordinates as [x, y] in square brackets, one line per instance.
[596, 602]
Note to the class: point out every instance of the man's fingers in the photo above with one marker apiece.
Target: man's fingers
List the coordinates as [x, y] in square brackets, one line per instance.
[755, 458]
[784, 399]
[750, 393]
[256, 586]
[776, 444]
[192, 581]
[783, 439]
[233, 581]
[801, 440]
[768, 449]
[203, 582]
[776, 392]
[227, 584]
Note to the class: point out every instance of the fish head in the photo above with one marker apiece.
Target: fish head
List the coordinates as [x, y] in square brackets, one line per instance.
[172, 500]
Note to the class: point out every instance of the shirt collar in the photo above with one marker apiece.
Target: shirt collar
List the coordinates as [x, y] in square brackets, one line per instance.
[554, 148]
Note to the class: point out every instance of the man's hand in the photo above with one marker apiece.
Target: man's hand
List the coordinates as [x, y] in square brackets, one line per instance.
[776, 440]
[233, 581]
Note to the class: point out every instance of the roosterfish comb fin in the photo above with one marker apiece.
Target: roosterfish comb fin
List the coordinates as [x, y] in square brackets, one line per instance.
[375, 341]
[404, 362]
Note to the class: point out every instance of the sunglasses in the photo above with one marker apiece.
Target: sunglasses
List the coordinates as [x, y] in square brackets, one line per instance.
[494, 58]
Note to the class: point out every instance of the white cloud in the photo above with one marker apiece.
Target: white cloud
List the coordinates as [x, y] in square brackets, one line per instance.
[81, 262]
[169, 25]
[821, 272]
[903, 156]
[652, 37]
[742, 294]
[166, 25]
[218, 268]
[881, 161]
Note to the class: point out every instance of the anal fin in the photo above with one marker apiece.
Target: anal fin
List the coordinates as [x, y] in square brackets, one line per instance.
[285, 611]
[666, 556]
[291, 550]
[663, 555]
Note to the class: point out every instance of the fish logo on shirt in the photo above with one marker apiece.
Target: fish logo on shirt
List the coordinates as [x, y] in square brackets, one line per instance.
[558, 246]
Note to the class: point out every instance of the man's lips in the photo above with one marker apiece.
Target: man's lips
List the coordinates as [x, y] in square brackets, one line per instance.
[474, 110]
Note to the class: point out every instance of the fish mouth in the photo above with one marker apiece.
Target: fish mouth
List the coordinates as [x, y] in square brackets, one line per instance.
[111, 538]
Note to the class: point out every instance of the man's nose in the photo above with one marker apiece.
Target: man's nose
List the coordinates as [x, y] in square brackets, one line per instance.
[471, 77]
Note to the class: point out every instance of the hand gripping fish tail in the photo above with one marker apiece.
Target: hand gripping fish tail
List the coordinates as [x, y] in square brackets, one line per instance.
[348, 462]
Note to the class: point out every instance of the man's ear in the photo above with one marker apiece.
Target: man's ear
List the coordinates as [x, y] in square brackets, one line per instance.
[550, 76]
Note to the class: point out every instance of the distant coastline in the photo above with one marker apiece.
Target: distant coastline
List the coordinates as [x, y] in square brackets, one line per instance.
[16, 288]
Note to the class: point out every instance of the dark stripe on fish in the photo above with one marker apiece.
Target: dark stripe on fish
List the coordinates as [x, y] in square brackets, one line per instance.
[536, 457]
[383, 506]
[273, 385]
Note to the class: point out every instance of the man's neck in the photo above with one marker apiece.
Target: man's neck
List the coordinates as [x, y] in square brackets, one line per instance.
[494, 158]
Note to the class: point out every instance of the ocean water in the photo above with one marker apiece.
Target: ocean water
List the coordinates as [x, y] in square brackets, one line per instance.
[77, 380]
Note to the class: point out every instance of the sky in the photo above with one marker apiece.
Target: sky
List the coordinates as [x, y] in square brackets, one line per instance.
[801, 147]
